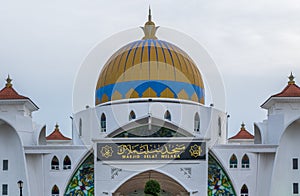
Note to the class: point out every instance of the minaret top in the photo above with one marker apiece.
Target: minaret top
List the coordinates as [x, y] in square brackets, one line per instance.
[8, 82]
[291, 79]
[149, 27]
[243, 126]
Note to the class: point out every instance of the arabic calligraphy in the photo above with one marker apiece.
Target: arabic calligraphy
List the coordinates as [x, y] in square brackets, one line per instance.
[137, 149]
[154, 151]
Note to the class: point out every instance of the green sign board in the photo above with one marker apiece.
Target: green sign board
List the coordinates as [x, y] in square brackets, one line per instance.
[151, 151]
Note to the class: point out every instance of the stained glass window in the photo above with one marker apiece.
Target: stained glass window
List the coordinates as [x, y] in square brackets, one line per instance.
[244, 190]
[143, 131]
[67, 163]
[218, 181]
[233, 161]
[245, 161]
[55, 191]
[82, 182]
[55, 163]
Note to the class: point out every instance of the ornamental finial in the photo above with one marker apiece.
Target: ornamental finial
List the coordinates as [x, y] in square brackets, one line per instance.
[149, 27]
[149, 15]
[8, 82]
[57, 127]
[243, 126]
[291, 77]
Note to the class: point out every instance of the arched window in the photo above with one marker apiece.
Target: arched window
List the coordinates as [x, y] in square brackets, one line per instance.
[245, 161]
[103, 122]
[80, 127]
[132, 115]
[67, 163]
[219, 126]
[244, 190]
[55, 191]
[197, 122]
[233, 162]
[167, 115]
[55, 163]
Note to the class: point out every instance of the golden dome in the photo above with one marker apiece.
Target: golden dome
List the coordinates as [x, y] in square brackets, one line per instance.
[150, 68]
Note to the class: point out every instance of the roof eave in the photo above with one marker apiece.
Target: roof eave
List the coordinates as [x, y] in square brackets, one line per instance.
[30, 104]
[272, 100]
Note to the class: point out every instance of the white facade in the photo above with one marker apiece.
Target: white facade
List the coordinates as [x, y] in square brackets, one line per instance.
[54, 165]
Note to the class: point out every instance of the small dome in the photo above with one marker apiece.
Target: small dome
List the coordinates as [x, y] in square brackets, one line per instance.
[149, 68]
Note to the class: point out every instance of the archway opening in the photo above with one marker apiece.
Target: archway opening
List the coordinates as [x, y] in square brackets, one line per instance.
[136, 184]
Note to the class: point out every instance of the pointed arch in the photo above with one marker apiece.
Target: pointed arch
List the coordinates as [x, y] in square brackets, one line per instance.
[233, 162]
[82, 181]
[67, 163]
[257, 134]
[219, 182]
[289, 142]
[244, 190]
[154, 129]
[80, 127]
[132, 115]
[136, 183]
[55, 163]
[42, 136]
[55, 191]
[197, 122]
[11, 144]
[245, 161]
[167, 115]
[103, 122]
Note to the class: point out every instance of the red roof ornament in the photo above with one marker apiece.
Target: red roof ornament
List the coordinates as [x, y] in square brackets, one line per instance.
[291, 90]
[242, 134]
[57, 135]
[8, 92]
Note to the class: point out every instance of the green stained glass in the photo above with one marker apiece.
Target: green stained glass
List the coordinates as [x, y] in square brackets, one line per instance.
[219, 183]
[82, 182]
[155, 131]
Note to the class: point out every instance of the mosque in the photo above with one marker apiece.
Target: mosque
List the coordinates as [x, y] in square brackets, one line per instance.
[150, 121]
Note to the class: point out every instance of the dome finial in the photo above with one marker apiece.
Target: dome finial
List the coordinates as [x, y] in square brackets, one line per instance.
[149, 15]
[8, 82]
[149, 27]
[291, 77]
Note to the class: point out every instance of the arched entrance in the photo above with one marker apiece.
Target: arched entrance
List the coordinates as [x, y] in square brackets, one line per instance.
[135, 185]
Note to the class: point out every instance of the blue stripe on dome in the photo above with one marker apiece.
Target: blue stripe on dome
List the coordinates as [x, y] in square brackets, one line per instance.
[167, 46]
[163, 51]
[158, 86]
[128, 53]
[143, 46]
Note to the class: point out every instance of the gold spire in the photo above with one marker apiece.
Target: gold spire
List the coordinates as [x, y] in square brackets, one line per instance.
[149, 22]
[8, 82]
[243, 126]
[291, 77]
[149, 27]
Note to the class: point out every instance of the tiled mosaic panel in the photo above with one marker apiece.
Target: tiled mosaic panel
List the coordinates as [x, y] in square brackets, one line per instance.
[218, 182]
[82, 183]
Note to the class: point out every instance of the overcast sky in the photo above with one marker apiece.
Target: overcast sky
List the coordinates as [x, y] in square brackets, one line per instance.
[255, 44]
